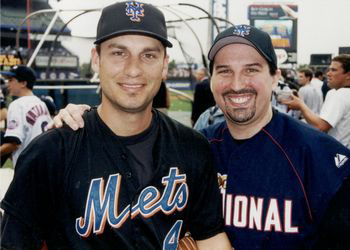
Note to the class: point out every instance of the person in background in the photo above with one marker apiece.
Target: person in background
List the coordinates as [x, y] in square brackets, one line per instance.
[202, 97]
[311, 95]
[334, 117]
[209, 117]
[325, 88]
[50, 104]
[27, 116]
[162, 99]
[3, 116]
[287, 78]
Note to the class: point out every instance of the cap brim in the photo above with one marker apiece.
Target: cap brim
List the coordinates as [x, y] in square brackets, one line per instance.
[226, 41]
[7, 73]
[133, 31]
[234, 40]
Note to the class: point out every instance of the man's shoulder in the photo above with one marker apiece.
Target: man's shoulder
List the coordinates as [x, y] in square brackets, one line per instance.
[65, 135]
[203, 84]
[24, 101]
[300, 133]
[215, 130]
[170, 126]
[343, 92]
[340, 96]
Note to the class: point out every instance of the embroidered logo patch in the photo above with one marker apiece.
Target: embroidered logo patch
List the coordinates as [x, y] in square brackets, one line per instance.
[241, 30]
[340, 160]
[134, 10]
[12, 124]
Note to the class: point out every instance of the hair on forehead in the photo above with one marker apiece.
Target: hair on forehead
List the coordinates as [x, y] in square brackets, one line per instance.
[344, 60]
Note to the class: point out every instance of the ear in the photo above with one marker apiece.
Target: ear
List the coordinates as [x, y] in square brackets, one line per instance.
[24, 83]
[165, 67]
[276, 78]
[95, 60]
[211, 84]
[347, 75]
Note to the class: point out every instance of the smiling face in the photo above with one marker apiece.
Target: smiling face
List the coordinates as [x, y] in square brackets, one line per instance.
[242, 85]
[131, 68]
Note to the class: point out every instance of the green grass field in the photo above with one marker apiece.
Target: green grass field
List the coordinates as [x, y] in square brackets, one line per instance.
[8, 164]
[180, 103]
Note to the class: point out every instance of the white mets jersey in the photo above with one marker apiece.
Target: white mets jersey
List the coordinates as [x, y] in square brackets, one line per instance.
[27, 117]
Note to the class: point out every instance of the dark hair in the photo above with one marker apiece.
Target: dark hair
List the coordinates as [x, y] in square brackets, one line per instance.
[344, 59]
[307, 72]
[318, 73]
[30, 85]
[272, 68]
[98, 48]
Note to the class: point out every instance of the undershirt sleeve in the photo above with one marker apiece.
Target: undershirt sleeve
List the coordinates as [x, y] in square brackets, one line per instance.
[15, 122]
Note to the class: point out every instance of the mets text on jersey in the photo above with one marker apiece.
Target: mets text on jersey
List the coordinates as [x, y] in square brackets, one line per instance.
[248, 212]
[102, 203]
[33, 114]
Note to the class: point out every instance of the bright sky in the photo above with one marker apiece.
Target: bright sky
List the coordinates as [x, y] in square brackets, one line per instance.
[323, 25]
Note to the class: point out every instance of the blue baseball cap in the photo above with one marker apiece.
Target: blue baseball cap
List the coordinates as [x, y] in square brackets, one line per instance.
[132, 17]
[244, 34]
[21, 73]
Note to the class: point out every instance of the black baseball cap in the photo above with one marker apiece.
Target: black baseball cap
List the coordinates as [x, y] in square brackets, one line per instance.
[132, 17]
[21, 73]
[244, 34]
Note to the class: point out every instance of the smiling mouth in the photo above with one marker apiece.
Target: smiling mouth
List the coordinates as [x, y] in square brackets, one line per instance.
[239, 101]
[129, 86]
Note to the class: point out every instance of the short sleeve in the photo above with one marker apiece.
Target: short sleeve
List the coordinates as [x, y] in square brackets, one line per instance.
[15, 122]
[332, 109]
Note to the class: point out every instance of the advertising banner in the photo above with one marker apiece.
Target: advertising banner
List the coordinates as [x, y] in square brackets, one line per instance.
[280, 21]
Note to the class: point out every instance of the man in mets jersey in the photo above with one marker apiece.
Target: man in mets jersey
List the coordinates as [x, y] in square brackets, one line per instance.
[27, 116]
[132, 178]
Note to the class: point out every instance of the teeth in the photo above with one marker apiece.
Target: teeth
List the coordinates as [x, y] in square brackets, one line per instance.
[239, 100]
[132, 86]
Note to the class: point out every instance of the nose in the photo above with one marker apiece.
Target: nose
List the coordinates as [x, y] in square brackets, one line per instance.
[238, 82]
[133, 67]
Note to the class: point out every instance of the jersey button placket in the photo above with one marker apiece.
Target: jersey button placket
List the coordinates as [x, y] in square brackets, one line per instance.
[128, 174]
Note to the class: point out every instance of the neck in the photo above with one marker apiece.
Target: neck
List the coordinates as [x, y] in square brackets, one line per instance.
[246, 131]
[125, 123]
[346, 83]
[25, 92]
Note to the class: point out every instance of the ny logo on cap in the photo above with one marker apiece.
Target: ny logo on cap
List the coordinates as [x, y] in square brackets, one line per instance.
[241, 30]
[134, 10]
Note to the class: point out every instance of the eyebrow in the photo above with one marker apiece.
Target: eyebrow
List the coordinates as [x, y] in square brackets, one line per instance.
[253, 65]
[147, 49]
[224, 66]
[221, 67]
